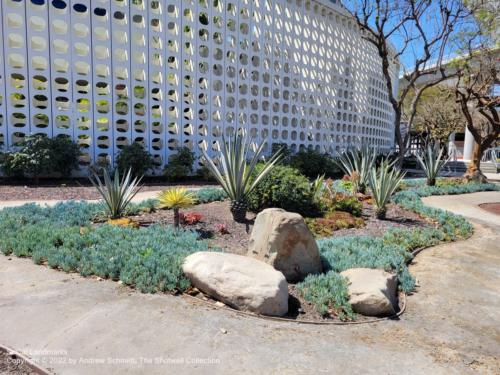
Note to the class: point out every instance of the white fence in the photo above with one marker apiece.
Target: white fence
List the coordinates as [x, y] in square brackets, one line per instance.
[173, 73]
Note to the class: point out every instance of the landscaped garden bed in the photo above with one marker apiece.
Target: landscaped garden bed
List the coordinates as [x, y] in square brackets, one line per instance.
[74, 238]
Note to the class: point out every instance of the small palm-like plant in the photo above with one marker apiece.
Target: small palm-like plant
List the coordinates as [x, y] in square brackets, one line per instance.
[176, 199]
[357, 163]
[116, 193]
[431, 162]
[236, 174]
[383, 183]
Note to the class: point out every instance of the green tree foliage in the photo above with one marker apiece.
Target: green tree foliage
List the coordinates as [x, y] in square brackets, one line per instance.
[438, 114]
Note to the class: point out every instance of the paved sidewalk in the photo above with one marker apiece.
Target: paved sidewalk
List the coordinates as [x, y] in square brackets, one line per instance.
[86, 326]
[141, 196]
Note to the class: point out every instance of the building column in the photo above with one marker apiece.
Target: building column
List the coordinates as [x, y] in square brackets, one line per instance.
[468, 144]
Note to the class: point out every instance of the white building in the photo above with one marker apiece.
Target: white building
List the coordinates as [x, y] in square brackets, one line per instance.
[171, 73]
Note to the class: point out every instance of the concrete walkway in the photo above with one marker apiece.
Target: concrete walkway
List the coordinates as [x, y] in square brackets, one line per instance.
[141, 196]
[86, 326]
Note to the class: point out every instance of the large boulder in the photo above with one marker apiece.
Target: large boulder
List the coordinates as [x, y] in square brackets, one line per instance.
[238, 281]
[372, 292]
[283, 240]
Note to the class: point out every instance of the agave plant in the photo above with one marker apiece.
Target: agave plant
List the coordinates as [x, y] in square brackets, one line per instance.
[431, 162]
[318, 186]
[357, 163]
[383, 183]
[236, 174]
[116, 193]
[176, 199]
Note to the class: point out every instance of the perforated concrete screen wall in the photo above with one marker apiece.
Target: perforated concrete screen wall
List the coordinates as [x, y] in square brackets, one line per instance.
[183, 73]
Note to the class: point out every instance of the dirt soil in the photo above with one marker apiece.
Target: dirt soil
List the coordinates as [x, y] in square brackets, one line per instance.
[494, 208]
[236, 240]
[215, 213]
[80, 189]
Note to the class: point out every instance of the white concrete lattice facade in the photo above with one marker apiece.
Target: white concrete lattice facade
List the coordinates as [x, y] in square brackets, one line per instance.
[173, 73]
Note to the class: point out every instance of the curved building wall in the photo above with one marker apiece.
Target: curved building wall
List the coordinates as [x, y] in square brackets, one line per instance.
[173, 73]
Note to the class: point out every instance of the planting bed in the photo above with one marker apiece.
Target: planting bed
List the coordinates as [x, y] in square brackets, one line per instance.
[73, 237]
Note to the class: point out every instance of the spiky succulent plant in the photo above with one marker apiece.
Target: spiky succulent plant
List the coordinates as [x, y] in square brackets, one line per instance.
[357, 163]
[384, 181]
[236, 171]
[431, 161]
[115, 192]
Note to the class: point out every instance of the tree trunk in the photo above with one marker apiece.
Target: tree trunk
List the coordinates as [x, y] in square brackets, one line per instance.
[477, 155]
[399, 138]
[474, 169]
[176, 218]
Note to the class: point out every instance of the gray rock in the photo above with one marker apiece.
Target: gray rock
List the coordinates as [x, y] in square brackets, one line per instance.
[283, 240]
[372, 292]
[238, 281]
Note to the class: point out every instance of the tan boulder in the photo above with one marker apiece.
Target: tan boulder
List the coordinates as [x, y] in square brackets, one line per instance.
[238, 281]
[372, 292]
[283, 240]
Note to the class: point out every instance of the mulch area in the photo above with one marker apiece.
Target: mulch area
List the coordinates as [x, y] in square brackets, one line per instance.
[238, 234]
[213, 214]
[396, 217]
[494, 208]
[77, 189]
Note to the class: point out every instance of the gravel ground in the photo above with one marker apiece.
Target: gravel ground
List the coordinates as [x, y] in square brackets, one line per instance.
[73, 190]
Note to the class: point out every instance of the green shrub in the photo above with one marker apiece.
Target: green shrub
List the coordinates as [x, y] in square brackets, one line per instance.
[135, 158]
[207, 195]
[348, 204]
[64, 156]
[204, 174]
[39, 156]
[312, 163]
[284, 187]
[180, 165]
[10, 165]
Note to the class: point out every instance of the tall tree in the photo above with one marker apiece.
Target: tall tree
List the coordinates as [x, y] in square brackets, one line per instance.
[478, 68]
[438, 114]
[480, 105]
[423, 29]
